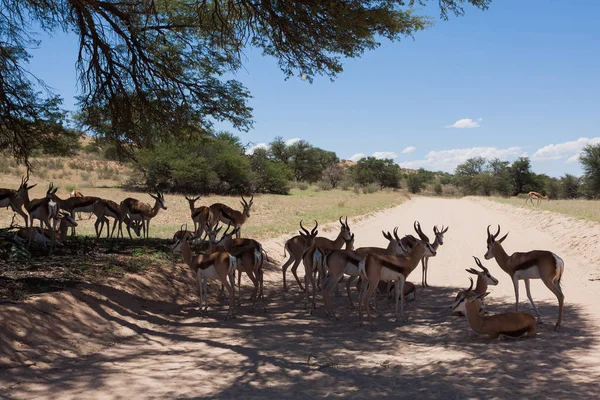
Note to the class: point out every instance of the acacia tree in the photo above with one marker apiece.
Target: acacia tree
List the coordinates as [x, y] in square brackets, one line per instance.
[160, 63]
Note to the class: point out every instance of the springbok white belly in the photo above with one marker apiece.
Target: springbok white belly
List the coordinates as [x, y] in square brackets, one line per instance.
[209, 273]
[529, 273]
[389, 275]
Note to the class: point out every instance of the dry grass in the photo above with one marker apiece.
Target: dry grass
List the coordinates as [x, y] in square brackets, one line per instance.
[271, 215]
[584, 209]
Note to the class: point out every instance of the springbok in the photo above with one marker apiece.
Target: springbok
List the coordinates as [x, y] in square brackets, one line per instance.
[296, 246]
[535, 195]
[514, 324]
[201, 216]
[484, 278]
[536, 264]
[227, 215]
[139, 211]
[16, 199]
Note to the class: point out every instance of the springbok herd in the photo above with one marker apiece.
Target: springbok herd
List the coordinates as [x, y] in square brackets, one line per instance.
[326, 262]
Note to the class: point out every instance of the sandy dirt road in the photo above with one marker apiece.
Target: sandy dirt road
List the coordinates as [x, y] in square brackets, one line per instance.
[285, 353]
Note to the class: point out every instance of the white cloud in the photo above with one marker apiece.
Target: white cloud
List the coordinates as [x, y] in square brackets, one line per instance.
[384, 154]
[447, 160]
[251, 150]
[567, 150]
[357, 156]
[465, 123]
[291, 141]
[408, 149]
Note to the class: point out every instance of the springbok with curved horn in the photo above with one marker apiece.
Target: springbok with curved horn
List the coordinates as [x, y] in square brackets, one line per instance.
[296, 245]
[227, 215]
[536, 264]
[514, 324]
[213, 265]
[484, 278]
[139, 211]
[439, 241]
[312, 258]
[16, 199]
[377, 267]
[201, 216]
[535, 195]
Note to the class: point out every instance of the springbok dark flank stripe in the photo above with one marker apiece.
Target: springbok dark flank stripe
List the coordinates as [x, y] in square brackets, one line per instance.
[527, 264]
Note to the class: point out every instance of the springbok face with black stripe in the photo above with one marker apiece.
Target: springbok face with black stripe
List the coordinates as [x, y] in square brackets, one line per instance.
[247, 205]
[536, 264]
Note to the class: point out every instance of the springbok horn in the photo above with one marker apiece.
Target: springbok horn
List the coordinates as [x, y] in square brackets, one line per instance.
[315, 228]
[303, 228]
[479, 264]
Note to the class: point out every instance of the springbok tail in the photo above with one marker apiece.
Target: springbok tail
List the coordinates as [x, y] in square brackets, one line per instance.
[233, 262]
[362, 269]
[560, 268]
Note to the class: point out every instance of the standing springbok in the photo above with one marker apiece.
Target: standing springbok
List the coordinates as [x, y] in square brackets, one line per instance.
[201, 216]
[104, 209]
[484, 278]
[227, 215]
[45, 209]
[514, 324]
[376, 267]
[296, 245]
[16, 199]
[139, 211]
[535, 195]
[214, 265]
[312, 258]
[536, 264]
[439, 241]
[74, 205]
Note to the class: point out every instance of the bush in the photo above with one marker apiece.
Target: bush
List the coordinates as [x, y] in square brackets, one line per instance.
[370, 188]
[346, 185]
[323, 185]
[414, 183]
[303, 185]
[437, 189]
[333, 175]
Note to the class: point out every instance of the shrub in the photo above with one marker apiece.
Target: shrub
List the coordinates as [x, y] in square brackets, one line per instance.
[324, 185]
[370, 188]
[303, 185]
[414, 183]
[437, 189]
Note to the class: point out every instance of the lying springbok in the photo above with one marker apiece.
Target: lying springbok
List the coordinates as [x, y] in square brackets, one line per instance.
[296, 246]
[16, 199]
[227, 215]
[536, 264]
[514, 324]
[45, 237]
[139, 211]
[214, 265]
[484, 278]
[376, 267]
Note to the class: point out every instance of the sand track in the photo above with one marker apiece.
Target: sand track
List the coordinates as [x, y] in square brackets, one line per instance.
[175, 354]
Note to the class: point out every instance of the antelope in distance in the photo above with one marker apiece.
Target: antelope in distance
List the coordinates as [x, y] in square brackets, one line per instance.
[296, 245]
[514, 324]
[202, 216]
[74, 205]
[139, 211]
[376, 267]
[484, 278]
[214, 265]
[536, 264]
[535, 195]
[227, 215]
[439, 241]
[16, 199]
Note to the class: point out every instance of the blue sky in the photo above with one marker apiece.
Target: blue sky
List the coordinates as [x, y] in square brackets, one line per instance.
[521, 78]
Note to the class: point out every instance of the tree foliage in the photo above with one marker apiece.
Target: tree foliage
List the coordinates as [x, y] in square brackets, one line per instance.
[151, 68]
[371, 170]
[590, 162]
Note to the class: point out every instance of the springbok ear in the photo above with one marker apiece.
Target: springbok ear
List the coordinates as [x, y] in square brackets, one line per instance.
[502, 239]
[55, 190]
